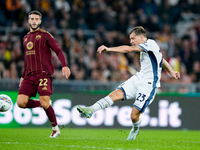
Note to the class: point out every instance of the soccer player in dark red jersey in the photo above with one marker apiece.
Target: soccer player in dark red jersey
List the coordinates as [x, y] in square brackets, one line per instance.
[38, 69]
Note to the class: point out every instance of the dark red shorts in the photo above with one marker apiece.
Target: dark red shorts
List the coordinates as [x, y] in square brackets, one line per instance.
[41, 83]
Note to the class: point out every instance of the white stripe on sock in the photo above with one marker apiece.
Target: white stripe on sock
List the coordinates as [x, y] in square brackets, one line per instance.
[102, 103]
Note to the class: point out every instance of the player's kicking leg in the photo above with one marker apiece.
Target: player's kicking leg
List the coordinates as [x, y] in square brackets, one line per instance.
[87, 112]
[102, 103]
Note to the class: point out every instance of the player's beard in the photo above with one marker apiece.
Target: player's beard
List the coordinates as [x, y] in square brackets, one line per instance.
[35, 27]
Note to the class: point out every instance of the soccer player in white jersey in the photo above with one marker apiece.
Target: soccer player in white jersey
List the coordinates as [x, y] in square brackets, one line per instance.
[142, 86]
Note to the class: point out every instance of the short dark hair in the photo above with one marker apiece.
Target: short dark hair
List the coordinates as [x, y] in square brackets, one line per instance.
[36, 13]
[139, 30]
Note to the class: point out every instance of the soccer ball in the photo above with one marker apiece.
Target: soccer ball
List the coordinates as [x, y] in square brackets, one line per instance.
[5, 103]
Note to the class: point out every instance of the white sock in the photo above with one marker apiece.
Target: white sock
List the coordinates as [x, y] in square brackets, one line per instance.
[55, 128]
[136, 125]
[102, 103]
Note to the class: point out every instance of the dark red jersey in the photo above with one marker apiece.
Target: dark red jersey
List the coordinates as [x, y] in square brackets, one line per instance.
[38, 46]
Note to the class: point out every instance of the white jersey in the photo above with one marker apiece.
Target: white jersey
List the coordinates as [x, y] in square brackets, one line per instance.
[151, 63]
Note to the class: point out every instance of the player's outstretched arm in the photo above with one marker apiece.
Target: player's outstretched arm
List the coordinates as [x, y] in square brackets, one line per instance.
[66, 72]
[119, 49]
[166, 66]
[102, 48]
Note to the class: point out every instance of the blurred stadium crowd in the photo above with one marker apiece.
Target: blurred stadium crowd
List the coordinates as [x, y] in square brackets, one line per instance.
[174, 24]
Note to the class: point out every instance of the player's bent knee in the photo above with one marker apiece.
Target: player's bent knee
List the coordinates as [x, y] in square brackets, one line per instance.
[45, 105]
[44, 101]
[21, 104]
[134, 117]
[22, 101]
[117, 95]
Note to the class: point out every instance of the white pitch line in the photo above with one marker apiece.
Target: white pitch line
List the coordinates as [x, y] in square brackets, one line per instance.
[75, 146]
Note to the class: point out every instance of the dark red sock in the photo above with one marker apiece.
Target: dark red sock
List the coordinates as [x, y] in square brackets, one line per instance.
[51, 115]
[33, 103]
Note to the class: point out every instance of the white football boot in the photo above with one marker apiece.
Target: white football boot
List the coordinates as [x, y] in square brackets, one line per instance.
[87, 112]
[55, 133]
[133, 134]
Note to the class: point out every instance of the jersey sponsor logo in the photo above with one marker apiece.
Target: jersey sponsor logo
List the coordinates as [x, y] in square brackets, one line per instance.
[38, 37]
[25, 40]
[29, 45]
[30, 52]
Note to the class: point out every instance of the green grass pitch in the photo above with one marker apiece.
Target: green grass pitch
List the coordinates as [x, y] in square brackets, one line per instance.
[97, 139]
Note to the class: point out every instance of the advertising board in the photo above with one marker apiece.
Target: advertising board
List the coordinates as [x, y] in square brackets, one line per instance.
[166, 112]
